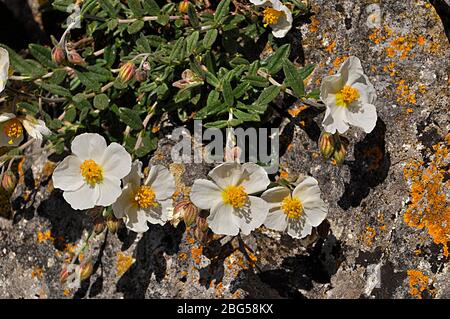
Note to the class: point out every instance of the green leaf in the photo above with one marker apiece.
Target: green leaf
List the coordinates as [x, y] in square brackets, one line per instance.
[223, 9]
[192, 14]
[274, 62]
[70, 114]
[149, 143]
[293, 78]
[178, 50]
[268, 95]
[210, 38]
[135, 27]
[228, 93]
[212, 79]
[101, 101]
[25, 67]
[131, 118]
[314, 94]
[256, 80]
[108, 6]
[42, 54]
[88, 80]
[136, 7]
[151, 7]
[191, 42]
[246, 117]
[30, 108]
[307, 70]
[56, 89]
[223, 123]
[58, 76]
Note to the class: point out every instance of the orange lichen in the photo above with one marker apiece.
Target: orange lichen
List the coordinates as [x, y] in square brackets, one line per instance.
[421, 40]
[196, 253]
[429, 207]
[330, 48]
[182, 256]
[409, 110]
[124, 262]
[418, 282]
[404, 93]
[297, 110]
[37, 272]
[67, 292]
[44, 236]
[314, 26]
[369, 236]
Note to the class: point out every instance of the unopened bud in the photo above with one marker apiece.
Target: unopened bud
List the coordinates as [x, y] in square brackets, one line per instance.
[63, 275]
[127, 72]
[188, 210]
[202, 224]
[140, 76]
[99, 225]
[326, 144]
[113, 224]
[9, 181]
[340, 152]
[86, 270]
[58, 55]
[74, 58]
[183, 6]
[200, 235]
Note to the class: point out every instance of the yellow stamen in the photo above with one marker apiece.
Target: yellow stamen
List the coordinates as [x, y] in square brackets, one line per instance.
[13, 129]
[292, 207]
[145, 197]
[271, 16]
[92, 172]
[347, 96]
[235, 196]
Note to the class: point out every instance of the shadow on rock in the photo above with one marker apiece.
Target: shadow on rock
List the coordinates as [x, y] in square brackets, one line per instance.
[156, 242]
[443, 10]
[67, 224]
[301, 271]
[369, 169]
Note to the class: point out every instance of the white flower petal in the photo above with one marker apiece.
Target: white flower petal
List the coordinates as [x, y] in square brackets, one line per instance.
[260, 2]
[351, 70]
[135, 176]
[254, 178]
[226, 174]
[314, 207]
[116, 161]
[299, 228]
[366, 90]
[205, 194]
[363, 116]
[335, 119]
[6, 116]
[159, 214]
[83, 198]
[89, 146]
[221, 220]
[124, 202]
[161, 181]
[276, 220]
[67, 175]
[109, 191]
[250, 218]
[4, 68]
[136, 220]
[276, 194]
[284, 24]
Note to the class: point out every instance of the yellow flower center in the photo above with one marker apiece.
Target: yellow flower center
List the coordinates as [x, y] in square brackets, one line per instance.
[92, 172]
[145, 197]
[13, 129]
[271, 16]
[347, 96]
[235, 196]
[292, 207]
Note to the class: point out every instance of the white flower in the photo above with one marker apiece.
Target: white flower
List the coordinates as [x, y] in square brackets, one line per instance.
[349, 97]
[11, 130]
[297, 212]
[4, 68]
[35, 128]
[145, 201]
[92, 176]
[277, 15]
[374, 18]
[228, 197]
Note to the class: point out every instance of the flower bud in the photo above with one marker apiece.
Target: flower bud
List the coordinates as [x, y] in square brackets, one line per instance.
[86, 270]
[202, 224]
[326, 144]
[127, 72]
[200, 235]
[58, 55]
[74, 58]
[64, 275]
[188, 210]
[9, 181]
[99, 225]
[140, 75]
[183, 6]
[113, 224]
[340, 152]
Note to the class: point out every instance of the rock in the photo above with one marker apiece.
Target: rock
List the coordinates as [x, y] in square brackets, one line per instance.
[365, 240]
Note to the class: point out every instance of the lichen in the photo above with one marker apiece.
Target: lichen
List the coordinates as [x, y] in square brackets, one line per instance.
[429, 207]
[418, 282]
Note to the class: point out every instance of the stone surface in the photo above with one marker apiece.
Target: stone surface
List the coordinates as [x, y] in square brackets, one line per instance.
[364, 249]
